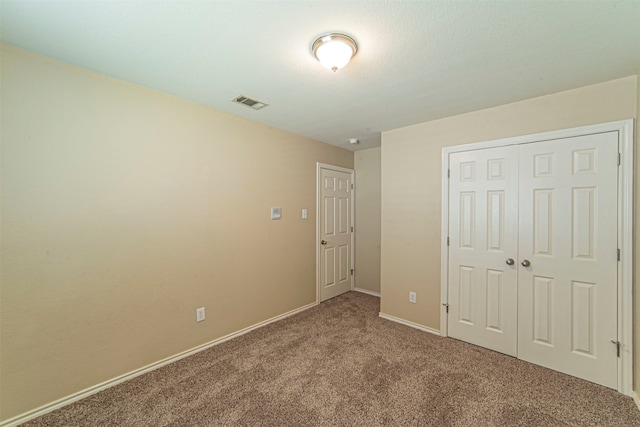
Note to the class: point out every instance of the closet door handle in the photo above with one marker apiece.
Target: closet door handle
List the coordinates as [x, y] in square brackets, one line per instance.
[525, 263]
[510, 261]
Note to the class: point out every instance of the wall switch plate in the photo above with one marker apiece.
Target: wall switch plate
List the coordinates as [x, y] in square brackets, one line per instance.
[412, 297]
[276, 213]
[199, 314]
[304, 214]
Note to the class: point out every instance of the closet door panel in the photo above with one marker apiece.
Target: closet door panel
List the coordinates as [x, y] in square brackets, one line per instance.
[567, 305]
[483, 227]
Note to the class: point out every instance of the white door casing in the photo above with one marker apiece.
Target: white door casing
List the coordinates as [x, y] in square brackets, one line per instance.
[334, 231]
[482, 286]
[584, 334]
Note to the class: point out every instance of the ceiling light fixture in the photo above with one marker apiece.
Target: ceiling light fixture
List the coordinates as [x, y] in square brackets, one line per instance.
[334, 50]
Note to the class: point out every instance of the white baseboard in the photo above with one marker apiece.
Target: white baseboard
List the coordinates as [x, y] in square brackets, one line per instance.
[410, 324]
[368, 292]
[636, 399]
[17, 420]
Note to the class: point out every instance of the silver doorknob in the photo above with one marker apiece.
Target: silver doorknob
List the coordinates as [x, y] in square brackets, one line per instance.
[323, 242]
[525, 263]
[510, 261]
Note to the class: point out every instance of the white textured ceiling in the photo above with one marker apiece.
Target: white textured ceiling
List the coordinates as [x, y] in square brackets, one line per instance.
[417, 60]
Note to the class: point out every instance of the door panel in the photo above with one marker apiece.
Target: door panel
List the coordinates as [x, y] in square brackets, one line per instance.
[335, 271]
[329, 217]
[329, 258]
[483, 288]
[568, 231]
[542, 310]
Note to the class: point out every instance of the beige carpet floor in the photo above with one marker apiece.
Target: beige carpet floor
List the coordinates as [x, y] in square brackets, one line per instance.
[340, 364]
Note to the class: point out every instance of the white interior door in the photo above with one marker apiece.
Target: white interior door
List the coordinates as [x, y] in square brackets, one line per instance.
[483, 205]
[335, 233]
[568, 234]
[551, 207]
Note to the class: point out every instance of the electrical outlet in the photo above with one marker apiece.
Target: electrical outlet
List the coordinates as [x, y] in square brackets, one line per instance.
[199, 314]
[412, 297]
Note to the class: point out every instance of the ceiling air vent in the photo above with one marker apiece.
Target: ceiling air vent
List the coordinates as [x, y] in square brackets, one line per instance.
[256, 105]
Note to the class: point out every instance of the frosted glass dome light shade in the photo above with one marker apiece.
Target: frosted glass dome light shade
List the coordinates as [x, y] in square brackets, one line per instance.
[334, 50]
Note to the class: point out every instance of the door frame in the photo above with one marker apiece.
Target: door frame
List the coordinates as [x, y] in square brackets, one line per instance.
[625, 229]
[352, 174]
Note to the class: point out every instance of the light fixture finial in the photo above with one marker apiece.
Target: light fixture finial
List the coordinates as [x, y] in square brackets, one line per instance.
[334, 50]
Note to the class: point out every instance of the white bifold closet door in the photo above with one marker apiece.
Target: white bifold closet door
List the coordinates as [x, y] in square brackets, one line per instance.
[533, 253]
[483, 209]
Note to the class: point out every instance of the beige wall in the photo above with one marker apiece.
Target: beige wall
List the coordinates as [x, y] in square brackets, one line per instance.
[411, 182]
[367, 262]
[123, 210]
